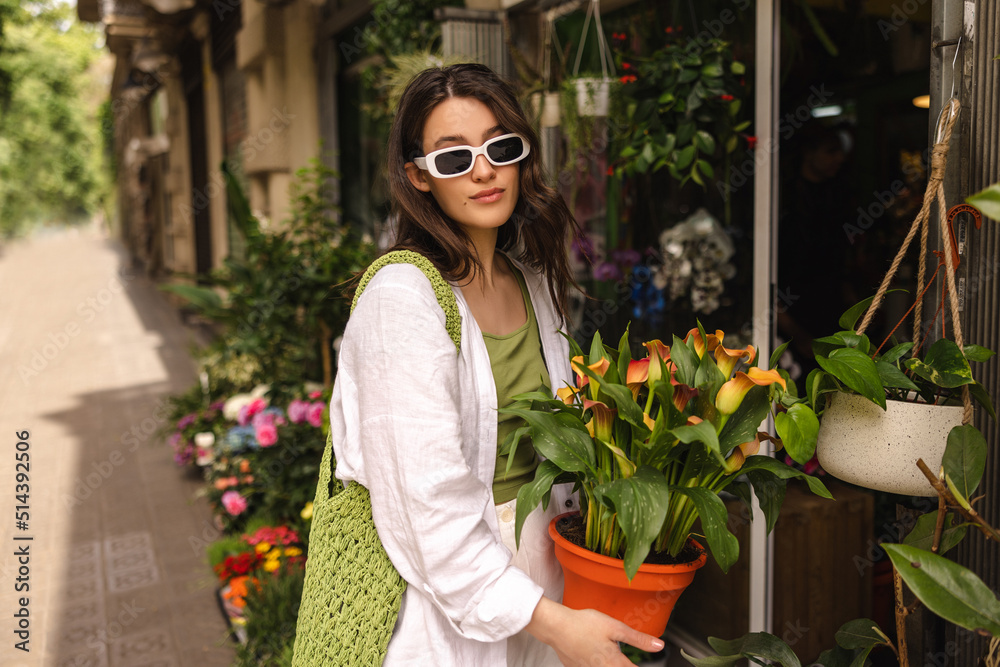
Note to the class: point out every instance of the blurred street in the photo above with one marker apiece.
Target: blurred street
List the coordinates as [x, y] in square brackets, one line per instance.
[116, 571]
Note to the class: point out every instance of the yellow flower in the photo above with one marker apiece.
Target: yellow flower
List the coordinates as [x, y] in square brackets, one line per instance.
[726, 359]
[739, 455]
[635, 377]
[567, 395]
[307, 511]
[732, 392]
[271, 565]
[293, 551]
[262, 547]
[657, 351]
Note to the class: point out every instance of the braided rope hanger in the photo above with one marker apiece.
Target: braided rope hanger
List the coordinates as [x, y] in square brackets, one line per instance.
[935, 191]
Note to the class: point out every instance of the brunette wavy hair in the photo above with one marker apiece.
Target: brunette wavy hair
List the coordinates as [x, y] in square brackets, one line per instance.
[538, 230]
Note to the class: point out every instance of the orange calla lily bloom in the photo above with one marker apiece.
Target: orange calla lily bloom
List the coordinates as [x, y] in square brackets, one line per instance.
[739, 455]
[638, 372]
[683, 394]
[598, 368]
[726, 359]
[700, 344]
[732, 392]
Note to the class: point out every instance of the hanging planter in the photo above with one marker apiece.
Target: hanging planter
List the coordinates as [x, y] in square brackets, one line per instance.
[593, 93]
[891, 407]
[860, 443]
[599, 582]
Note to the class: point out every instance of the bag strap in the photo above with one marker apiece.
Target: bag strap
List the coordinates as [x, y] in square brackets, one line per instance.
[328, 483]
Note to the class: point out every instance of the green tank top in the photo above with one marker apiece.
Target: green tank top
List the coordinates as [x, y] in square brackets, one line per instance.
[518, 367]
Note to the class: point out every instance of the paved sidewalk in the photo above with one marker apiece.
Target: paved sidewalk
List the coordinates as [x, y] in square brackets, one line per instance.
[115, 566]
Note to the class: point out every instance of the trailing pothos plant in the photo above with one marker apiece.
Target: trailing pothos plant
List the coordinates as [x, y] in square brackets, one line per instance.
[848, 362]
[650, 443]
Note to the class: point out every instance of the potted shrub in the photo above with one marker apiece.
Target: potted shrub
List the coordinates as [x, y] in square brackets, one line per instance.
[650, 443]
[884, 410]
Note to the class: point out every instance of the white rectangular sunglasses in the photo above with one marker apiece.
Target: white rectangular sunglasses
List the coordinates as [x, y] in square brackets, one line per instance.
[457, 160]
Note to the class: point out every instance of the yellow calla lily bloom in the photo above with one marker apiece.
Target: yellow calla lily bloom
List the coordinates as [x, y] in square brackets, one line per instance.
[657, 352]
[732, 392]
[739, 455]
[726, 359]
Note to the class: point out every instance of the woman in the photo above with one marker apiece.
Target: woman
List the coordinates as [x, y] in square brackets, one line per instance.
[417, 424]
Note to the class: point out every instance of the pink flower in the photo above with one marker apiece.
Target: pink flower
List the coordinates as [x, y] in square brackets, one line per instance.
[297, 411]
[315, 394]
[257, 405]
[234, 503]
[262, 419]
[315, 414]
[267, 434]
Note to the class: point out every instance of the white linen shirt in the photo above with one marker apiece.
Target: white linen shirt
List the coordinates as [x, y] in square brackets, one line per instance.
[415, 422]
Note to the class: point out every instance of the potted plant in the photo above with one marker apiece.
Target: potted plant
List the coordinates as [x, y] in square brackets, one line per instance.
[650, 443]
[593, 93]
[882, 410]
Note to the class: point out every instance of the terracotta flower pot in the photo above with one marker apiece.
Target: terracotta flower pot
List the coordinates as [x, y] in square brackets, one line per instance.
[861, 444]
[598, 582]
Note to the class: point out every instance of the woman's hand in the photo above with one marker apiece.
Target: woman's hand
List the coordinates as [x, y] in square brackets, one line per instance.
[586, 637]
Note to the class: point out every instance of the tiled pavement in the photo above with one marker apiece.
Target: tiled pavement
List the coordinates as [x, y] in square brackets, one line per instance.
[116, 567]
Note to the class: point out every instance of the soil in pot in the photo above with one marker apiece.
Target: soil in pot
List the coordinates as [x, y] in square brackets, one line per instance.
[598, 582]
[572, 527]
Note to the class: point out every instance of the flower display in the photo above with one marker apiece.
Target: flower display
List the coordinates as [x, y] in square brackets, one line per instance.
[696, 254]
[651, 442]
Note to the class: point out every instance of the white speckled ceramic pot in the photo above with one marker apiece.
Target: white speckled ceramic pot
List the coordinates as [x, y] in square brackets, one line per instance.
[861, 444]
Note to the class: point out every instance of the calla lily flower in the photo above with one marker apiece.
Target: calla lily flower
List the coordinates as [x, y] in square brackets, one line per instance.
[648, 421]
[739, 455]
[732, 392]
[683, 394]
[700, 344]
[657, 351]
[638, 372]
[601, 426]
[598, 368]
[567, 395]
[726, 359]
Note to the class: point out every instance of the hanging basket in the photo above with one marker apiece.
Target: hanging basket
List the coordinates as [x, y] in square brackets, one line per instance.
[593, 96]
[860, 443]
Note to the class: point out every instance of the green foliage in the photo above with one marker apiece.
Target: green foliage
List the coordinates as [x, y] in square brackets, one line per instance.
[987, 201]
[949, 590]
[272, 611]
[683, 108]
[849, 363]
[284, 303]
[50, 149]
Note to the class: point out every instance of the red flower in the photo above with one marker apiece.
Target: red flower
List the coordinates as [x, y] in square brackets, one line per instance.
[628, 78]
[726, 98]
[668, 29]
[611, 171]
[751, 142]
[626, 65]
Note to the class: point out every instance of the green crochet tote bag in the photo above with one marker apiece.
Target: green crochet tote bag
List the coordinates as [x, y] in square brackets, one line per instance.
[352, 592]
